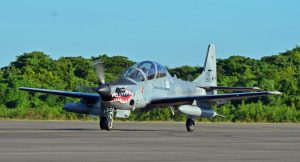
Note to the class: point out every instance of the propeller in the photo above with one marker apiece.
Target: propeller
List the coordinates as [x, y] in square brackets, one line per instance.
[104, 89]
[99, 66]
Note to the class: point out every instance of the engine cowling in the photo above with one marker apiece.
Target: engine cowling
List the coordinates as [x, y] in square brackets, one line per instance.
[197, 111]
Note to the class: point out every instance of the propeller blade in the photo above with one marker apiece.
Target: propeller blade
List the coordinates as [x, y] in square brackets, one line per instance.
[99, 66]
[104, 90]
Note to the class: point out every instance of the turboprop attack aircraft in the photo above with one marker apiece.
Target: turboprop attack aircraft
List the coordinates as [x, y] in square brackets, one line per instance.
[147, 85]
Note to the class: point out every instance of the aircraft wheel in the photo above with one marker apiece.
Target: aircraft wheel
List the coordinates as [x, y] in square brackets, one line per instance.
[102, 122]
[190, 125]
[105, 123]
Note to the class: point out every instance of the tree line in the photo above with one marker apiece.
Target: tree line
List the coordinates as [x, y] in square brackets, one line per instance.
[36, 69]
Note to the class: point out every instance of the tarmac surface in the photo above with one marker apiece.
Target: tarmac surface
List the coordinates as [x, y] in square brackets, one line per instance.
[142, 141]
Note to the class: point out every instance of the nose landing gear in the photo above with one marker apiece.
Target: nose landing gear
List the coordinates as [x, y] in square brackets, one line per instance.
[106, 122]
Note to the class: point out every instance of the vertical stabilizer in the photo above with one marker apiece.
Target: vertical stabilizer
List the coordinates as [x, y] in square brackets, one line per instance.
[209, 75]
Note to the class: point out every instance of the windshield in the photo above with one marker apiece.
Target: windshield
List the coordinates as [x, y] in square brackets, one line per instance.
[135, 74]
[146, 70]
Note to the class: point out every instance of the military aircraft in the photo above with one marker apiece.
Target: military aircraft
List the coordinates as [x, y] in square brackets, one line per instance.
[147, 85]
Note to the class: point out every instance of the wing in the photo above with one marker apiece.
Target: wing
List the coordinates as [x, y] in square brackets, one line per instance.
[240, 89]
[210, 98]
[92, 96]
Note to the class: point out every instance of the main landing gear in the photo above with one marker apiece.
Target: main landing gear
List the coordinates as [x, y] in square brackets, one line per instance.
[190, 125]
[106, 121]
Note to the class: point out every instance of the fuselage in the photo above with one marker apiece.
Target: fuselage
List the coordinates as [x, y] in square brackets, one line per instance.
[147, 81]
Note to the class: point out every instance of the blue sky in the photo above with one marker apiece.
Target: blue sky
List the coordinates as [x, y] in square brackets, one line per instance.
[173, 32]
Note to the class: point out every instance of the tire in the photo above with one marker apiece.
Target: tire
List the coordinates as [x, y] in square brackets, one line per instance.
[190, 125]
[105, 124]
[102, 123]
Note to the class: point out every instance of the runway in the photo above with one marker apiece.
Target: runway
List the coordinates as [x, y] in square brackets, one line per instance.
[141, 141]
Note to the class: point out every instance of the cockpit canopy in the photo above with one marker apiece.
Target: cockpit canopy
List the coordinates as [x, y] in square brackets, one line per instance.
[146, 70]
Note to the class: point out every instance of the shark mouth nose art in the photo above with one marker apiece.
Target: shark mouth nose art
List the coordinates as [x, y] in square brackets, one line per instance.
[121, 95]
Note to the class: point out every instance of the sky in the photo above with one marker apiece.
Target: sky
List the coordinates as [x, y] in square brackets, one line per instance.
[172, 32]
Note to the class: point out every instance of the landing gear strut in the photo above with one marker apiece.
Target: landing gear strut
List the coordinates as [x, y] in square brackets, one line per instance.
[106, 122]
[190, 125]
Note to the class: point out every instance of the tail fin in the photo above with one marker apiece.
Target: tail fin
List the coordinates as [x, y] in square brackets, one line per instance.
[209, 75]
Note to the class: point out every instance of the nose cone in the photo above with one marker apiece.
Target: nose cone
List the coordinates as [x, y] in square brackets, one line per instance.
[104, 90]
[120, 98]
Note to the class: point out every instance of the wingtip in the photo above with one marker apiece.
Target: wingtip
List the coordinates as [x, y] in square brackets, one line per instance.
[24, 88]
[275, 92]
[256, 88]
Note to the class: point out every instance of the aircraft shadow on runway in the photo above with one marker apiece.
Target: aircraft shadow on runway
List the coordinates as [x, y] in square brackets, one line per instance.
[114, 130]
